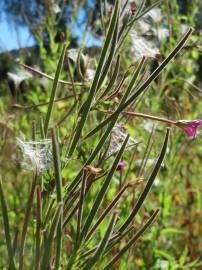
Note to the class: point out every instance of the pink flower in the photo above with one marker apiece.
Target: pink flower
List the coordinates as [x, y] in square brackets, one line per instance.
[189, 126]
[121, 166]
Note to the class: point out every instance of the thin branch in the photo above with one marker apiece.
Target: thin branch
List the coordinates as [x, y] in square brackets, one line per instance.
[49, 77]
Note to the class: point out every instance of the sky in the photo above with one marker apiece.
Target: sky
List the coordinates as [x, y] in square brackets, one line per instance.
[12, 38]
[79, 29]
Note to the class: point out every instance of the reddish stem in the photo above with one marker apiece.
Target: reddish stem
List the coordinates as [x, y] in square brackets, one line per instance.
[146, 116]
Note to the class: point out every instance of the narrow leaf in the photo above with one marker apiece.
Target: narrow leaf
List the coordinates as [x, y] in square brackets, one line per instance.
[148, 185]
[103, 244]
[112, 80]
[6, 227]
[80, 211]
[87, 105]
[38, 229]
[53, 91]
[144, 85]
[103, 190]
[107, 210]
[26, 220]
[58, 180]
[49, 242]
[131, 242]
[126, 94]
[57, 166]
[111, 54]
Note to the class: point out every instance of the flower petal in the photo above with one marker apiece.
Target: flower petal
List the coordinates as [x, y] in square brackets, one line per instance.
[121, 166]
[189, 126]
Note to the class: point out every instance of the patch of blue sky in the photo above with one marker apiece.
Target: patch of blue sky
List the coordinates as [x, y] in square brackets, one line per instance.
[13, 38]
[82, 35]
[91, 3]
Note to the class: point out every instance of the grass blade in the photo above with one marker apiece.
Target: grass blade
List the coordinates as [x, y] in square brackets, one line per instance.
[80, 210]
[103, 244]
[38, 229]
[49, 241]
[103, 191]
[111, 55]
[26, 220]
[148, 185]
[127, 93]
[53, 91]
[132, 241]
[57, 166]
[6, 228]
[144, 85]
[107, 210]
[58, 180]
[87, 105]
[112, 80]
[112, 242]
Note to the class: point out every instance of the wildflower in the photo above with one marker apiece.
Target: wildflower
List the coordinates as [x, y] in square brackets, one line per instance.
[189, 126]
[121, 166]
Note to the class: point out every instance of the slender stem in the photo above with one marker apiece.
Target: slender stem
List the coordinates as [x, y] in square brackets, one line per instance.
[120, 179]
[34, 106]
[148, 186]
[142, 115]
[117, 91]
[38, 229]
[106, 211]
[48, 76]
[54, 90]
[132, 241]
[42, 128]
[71, 77]
[6, 228]
[85, 109]
[67, 114]
[149, 142]
[26, 220]
[45, 259]
[103, 244]
[142, 88]
[80, 210]
[58, 181]
[33, 130]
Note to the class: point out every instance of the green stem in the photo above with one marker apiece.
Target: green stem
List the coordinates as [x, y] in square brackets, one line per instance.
[26, 220]
[38, 229]
[58, 180]
[131, 242]
[54, 89]
[6, 228]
